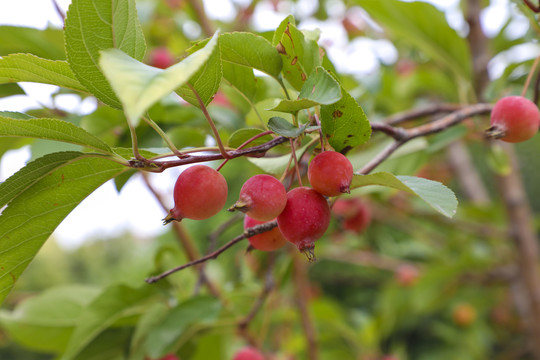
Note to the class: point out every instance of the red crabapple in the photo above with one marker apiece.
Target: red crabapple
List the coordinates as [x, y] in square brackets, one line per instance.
[514, 119]
[200, 192]
[330, 173]
[262, 197]
[353, 213]
[304, 219]
[266, 241]
[407, 275]
[248, 353]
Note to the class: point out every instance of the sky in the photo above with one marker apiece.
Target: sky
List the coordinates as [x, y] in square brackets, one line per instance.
[105, 213]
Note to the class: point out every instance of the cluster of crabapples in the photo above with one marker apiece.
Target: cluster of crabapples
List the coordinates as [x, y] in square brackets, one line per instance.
[302, 213]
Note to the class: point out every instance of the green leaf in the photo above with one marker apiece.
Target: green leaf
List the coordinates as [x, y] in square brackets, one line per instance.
[300, 56]
[40, 196]
[45, 322]
[284, 128]
[344, 123]
[240, 78]
[281, 29]
[94, 25]
[113, 304]
[139, 85]
[319, 88]
[47, 43]
[241, 136]
[195, 311]
[435, 194]
[250, 50]
[10, 90]
[205, 81]
[27, 67]
[425, 27]
[51, 129]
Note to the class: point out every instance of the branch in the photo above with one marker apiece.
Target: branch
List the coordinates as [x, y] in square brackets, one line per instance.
[419, 113]
[213, 255]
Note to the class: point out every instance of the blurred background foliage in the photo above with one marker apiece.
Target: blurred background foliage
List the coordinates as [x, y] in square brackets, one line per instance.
[413, 285]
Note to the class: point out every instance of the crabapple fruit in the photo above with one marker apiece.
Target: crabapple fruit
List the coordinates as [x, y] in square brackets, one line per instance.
[514, 119]
[266, 241]
[161, 58]
[330, 173]
[304, 219]
[353, 213]
[200, 192]
[262, 197]
[407, 275]
[248, 353]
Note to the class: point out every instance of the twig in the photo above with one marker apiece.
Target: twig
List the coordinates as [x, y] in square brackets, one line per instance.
[59, 10]
[529, 77]
[213, 255]
[383, 155]
[535, 8]
[422, 112]
[206, 24]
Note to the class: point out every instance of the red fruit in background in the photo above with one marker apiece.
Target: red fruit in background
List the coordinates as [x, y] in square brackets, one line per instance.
[304, 219]
[170, 357]
[514, 119]
[262, 197]
[266, 241]
[407, 275]
[248, 353]
[330, 173]
[354, 214]
[161, 58]
[200, 192]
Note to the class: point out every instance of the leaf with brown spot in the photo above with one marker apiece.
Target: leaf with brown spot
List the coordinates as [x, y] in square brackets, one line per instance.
[344, 123]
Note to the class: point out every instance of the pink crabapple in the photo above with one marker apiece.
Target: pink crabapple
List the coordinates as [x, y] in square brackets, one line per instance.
[200, 192]
[304, 219]
[330, 173]
[266, 241]
[248, 353]
[354, 214]
[262, 197]
[514, 119]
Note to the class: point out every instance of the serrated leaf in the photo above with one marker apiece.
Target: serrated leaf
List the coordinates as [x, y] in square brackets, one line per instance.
[139, 85]
[284, 128]
[320, 88]
[51, 187]
[435, 194]
[344, 123]
[47, 43]
[300, 56]
[114, 303]
[242, 135]
[15, 115]
[51, 129]
[28, 67]
[205, 81]
[250, 50]
[94, 25]
[278, 33]
[45, 322]
[424, 26]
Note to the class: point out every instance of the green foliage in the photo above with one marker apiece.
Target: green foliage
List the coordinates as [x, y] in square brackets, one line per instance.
[277, 90]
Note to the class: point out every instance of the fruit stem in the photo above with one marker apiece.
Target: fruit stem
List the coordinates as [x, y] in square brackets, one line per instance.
[529, 77]
[165, 138]
[210, 121]
[297, 168]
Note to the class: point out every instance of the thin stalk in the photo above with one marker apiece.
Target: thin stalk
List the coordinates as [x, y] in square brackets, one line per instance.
[210, 122]
[296, 162]
[529, 77]
[164, 136]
